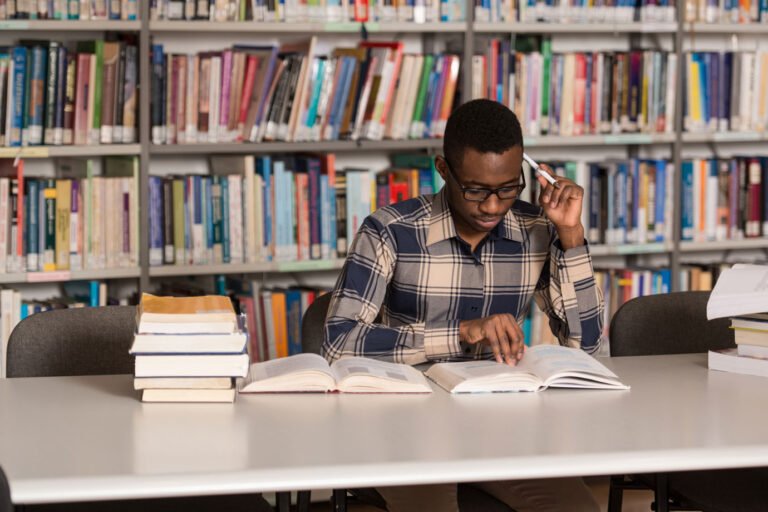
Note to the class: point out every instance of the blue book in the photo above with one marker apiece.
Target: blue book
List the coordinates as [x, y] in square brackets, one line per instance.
[610, 225]
[198, 229]
[225, 228]
[215, 221]
[660, 199]
[349, 71]
[686, 200]
[19, 90]
[38, 79]
[94, 295]
[32, 210]
[588, 95]
[622, 178]
[264, 169]
[156, 224]
[311, 166]
[208, 217]
[293, 320]
[281, 208]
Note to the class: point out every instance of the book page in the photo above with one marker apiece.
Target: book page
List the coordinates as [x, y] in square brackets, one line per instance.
[484, 376]
[740, 290]
[302, 372]
[369, 375]
[552, 361]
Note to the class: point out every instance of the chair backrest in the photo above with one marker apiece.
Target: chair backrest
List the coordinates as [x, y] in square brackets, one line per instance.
[671, 323]
[80, 341]
[313, 324]
[5, 494]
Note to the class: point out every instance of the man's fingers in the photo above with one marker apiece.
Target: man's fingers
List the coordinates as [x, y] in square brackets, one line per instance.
[504, 341]
[515, 336]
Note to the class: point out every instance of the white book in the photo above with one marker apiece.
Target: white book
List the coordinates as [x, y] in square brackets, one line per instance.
[214, 94]
[249, 190]
[182, 383]
[230, 365]
[541, 367]
[740, 290]
[311, 372]
[759, 351]
[4, 221]
[729, 360]
[190, 343]
[236, 218]
[188, 395]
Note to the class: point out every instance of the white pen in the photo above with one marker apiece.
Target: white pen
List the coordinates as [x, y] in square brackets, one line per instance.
[541, 171]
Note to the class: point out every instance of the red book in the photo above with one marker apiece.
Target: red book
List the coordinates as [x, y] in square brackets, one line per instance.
[245, 100]
[580, 94]
[81, 97]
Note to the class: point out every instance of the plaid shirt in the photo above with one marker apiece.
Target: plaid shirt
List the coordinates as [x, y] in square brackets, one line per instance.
[409, 279]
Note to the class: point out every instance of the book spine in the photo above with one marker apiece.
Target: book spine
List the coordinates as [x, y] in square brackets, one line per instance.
[169, 250]
[156, 225]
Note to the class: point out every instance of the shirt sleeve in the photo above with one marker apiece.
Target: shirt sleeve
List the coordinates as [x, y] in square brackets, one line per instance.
[352, 327]
[568, 293]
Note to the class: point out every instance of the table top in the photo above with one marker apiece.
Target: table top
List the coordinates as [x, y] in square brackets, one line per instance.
[90, 438]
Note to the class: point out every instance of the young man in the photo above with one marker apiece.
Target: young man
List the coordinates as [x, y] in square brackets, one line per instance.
[448, 277]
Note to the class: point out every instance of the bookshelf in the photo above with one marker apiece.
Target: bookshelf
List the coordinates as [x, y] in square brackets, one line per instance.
[145, 29]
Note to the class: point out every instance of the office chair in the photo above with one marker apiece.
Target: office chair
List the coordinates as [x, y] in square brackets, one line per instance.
[676, 323]
[95, 341]
[5, 493]
[471, 499]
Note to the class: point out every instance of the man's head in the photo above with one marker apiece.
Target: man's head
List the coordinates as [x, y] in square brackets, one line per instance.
[483, 148]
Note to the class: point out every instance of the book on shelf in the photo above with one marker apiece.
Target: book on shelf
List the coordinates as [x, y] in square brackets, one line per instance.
[729, 360]
[542, 367]
[293, 93]
[578, 93]
[188, 395]
[125, 10]
[745, 11]
[568, 12]
[311, 372]
[740, 290]
[185, 315]
[331, 11]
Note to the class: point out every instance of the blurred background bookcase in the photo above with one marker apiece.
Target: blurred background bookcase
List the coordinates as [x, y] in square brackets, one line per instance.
[467, 38]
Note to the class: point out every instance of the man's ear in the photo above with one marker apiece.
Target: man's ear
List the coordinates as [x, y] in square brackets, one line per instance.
[442, 167]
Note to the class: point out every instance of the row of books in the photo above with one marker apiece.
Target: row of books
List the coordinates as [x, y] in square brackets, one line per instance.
[726, 91]
[574, 11]
[290, 93]
[724, 199]
[579, 93]
[294, 11]
[77, 221]
[51, 94]
[262, 208]
[726, 11]
[69, 9]
[77, 294]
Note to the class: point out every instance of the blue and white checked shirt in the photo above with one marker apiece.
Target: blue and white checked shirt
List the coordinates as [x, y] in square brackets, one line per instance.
[409, 280]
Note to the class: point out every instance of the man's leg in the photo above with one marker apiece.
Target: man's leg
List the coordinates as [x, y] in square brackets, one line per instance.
[420, 498]
[543, 495]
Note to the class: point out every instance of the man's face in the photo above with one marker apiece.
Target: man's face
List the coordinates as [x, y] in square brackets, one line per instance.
[481, 171]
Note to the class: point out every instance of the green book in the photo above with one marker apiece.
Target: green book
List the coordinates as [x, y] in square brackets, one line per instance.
[417, 129]
[96, 48]
[546, 52]
[178, 220]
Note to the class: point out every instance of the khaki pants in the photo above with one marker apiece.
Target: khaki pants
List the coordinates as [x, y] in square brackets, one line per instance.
[540, 495]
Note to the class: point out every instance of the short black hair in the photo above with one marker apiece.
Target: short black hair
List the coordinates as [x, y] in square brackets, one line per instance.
[483, 125]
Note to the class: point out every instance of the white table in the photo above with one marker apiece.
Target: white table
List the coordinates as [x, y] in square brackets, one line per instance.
[89, 438]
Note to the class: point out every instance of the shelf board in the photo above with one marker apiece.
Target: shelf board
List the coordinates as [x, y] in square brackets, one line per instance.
[253, 27]
[606, 27]
[599, 140]
[724, 137]
[724, 245]
[291, 147]
[246, 268]
[725, 28]
[70, 25]
[66, 275]
[630, 249]
[71, 151]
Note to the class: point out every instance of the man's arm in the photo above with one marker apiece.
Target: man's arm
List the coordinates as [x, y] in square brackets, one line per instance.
[350, 328]
[568, 293]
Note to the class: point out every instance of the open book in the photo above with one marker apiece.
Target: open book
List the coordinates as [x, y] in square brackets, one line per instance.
[542, 366]
[311, 372]
[740, 290]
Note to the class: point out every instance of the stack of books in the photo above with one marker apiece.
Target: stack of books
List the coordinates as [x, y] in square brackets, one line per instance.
[188, 349]
[741, 293]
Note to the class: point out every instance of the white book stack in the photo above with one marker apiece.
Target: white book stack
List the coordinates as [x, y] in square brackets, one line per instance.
[188, 349]
[741, 292]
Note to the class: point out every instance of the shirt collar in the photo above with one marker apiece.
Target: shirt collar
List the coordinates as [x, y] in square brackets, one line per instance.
[442, 227]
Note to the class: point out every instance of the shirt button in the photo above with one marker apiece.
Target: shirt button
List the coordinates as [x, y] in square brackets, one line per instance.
[473, 308]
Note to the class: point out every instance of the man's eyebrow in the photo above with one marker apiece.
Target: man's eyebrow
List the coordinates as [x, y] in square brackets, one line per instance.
[512, 182]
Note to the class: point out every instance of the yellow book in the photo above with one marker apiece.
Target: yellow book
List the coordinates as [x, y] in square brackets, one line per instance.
[178, 315]
[695, 91]
[63, 218]
[280, 323]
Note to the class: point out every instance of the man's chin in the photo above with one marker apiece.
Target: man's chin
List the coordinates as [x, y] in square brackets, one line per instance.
[486, 225]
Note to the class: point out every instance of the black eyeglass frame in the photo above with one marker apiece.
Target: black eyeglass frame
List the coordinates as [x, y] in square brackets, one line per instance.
[485, 193]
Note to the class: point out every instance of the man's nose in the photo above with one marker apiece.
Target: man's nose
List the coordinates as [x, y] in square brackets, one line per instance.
[492, 206]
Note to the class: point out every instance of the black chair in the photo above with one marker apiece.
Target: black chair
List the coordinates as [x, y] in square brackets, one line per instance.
[5, 493]
[676, 323]
[95, 341]
[471, 499]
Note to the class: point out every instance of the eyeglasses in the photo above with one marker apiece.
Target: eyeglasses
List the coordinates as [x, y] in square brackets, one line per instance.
[479, 195]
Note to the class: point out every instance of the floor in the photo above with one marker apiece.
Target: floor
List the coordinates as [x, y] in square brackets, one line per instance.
[634, 501]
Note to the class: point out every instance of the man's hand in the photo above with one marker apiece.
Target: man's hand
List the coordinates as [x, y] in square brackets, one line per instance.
[562, 206]
[501, 332]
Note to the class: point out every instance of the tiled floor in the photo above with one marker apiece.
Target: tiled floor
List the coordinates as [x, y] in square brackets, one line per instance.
[634, 501]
